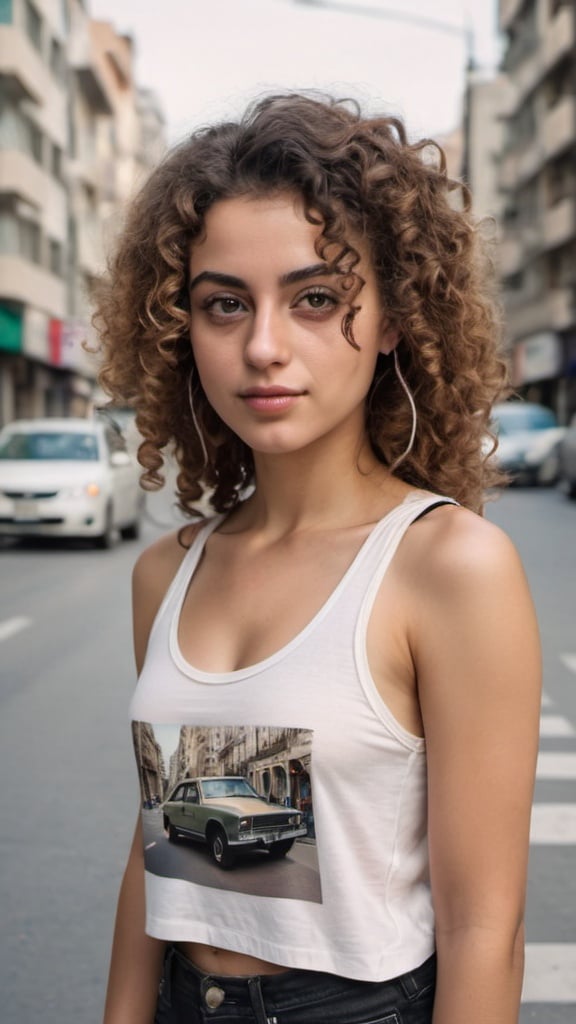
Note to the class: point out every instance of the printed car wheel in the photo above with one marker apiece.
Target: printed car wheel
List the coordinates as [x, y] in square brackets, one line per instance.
[172, 832]
[281, 848]
[219, 849]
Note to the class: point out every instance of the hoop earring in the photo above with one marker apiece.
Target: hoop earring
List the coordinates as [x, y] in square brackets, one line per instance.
[408, 393]
[196, 423]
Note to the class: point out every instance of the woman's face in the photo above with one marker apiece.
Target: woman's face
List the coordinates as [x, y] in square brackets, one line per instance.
[266, 330]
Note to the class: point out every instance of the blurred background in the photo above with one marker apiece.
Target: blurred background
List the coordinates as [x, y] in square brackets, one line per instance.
[92, 92]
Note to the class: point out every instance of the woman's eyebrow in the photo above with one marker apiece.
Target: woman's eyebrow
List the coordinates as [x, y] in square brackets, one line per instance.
[292, 277]
[227, 280]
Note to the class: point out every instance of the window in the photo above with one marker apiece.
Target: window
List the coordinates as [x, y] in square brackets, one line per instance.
[29, 240]
[57, 60]
[33, 24]
[56, 161]
[35, 141]
[9, 237]
[68, 446]
[55, 255]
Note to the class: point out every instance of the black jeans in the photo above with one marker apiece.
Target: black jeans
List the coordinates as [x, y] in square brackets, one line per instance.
[189, 996]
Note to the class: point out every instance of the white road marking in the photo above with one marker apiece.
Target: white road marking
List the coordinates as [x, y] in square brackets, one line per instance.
[10, 627]
[550, 973]
[556, 766]
[553, 824]
[547, 701]
[150, 845]
[556, 725]
[569, 660]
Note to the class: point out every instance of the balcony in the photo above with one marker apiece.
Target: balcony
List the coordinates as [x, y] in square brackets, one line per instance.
[21, 176]
[559, 126]
[30, 284]
[538, 60]
[559, 223]
[508, 11]
[25, 75]
[82, 59]
[560, 37]
[553, 311]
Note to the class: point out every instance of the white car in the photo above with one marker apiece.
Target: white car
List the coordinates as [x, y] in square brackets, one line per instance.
[68, 478]
[528, 442]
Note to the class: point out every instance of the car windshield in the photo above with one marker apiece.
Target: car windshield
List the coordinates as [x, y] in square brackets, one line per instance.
[517, 417]
[69, 446]
[226, 787]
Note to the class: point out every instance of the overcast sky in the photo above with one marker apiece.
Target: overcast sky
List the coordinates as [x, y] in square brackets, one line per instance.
[206, 58]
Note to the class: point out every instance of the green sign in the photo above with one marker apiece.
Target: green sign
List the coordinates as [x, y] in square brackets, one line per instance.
[5, 12]
[10, 328]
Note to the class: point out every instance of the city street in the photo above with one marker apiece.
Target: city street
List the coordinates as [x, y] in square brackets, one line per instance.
[69, 799]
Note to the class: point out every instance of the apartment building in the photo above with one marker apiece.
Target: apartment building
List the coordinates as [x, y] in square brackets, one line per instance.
[538, 178]
[76, 136]
[33, 202]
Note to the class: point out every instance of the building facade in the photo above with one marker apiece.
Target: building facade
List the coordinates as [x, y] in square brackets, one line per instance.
[538, 180]
[76, 137]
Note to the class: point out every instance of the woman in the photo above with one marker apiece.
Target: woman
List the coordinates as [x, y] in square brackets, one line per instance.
[300, 310]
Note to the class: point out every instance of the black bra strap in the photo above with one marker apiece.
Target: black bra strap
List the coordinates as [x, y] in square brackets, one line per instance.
[436, 504]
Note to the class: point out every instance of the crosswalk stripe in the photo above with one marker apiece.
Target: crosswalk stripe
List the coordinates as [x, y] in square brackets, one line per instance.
[553, 824]
[556, 766]
[556, 725]
[10, 627]
[569, 661]
[550, 973]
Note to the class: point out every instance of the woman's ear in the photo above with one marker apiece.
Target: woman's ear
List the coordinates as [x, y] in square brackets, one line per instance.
[389, 338]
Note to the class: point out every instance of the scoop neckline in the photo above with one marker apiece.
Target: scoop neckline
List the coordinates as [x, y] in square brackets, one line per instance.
[218, 678]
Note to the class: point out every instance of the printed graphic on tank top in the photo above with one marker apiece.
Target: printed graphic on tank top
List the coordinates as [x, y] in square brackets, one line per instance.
[229, 807]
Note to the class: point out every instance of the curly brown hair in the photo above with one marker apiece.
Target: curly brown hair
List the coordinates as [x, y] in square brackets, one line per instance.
[354, 173]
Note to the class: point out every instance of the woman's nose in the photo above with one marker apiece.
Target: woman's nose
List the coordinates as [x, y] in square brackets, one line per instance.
[268, 341]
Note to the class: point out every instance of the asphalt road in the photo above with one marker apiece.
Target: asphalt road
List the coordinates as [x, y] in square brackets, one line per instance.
[296, 875]
[68, 797]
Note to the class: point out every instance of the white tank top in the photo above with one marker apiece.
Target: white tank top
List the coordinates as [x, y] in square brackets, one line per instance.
[296, 772]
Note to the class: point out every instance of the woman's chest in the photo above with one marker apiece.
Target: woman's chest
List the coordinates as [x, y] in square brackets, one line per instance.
[242, 607]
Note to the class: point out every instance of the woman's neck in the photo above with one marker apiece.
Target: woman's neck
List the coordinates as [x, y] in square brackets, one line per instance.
[320, 486]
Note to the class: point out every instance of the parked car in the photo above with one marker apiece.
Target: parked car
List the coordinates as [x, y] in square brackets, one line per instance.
[68, 478]
[567, 455]
[528, 442]
[230, 816]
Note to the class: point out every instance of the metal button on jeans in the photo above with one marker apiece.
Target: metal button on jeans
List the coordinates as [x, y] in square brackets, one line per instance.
[214, 997]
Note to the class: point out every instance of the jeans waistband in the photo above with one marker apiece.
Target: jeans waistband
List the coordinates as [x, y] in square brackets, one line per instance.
[269, 992]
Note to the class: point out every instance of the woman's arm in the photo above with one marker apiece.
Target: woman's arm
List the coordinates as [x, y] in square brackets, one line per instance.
[136, 960]
[476, 650]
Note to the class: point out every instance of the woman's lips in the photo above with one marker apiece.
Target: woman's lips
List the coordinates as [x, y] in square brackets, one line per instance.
[271, 399]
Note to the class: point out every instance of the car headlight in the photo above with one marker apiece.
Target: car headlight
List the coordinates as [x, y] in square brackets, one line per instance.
[89, 490]
[244, 823]
[295, 819]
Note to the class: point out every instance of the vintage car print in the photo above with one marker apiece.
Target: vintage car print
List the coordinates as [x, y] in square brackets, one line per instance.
[230, 816]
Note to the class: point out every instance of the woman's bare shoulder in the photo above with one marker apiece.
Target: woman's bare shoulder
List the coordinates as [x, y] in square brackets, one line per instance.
[453, 546]
[157, 564]
[152, 575]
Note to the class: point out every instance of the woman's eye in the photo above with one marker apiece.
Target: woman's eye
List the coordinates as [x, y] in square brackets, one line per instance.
[224, 305]
[318, 301]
